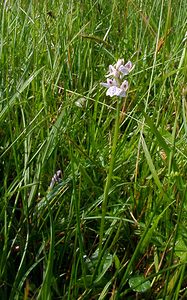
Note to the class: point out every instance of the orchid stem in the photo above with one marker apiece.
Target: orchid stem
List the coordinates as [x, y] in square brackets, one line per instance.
[109, 176]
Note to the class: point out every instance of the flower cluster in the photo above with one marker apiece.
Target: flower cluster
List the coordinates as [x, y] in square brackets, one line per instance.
[55, 179]
[115, 84]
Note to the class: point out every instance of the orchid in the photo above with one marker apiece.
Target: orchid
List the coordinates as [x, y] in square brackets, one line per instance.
[119, 70]
[109, 83]
[116, 73]
[126, 69]
[118, 91]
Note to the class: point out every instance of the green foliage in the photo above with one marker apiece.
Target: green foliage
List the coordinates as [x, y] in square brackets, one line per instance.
[138, 284]
[114, 226]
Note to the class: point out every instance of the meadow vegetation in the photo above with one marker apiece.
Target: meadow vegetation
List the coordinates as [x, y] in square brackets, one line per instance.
[114, 224]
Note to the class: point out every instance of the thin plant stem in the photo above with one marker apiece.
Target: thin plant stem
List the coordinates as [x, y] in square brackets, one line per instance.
[109, 176]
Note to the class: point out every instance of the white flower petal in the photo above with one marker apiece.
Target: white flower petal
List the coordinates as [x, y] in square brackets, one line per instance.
[114, 82]
[125, 69]
[113, 72]
[118, 92]
[112, 91]
[111, 69]
[119, 63]
[110, 82]
[129, 65]
[115, 91]
[124, 86]
[122, 94]
[105, 84]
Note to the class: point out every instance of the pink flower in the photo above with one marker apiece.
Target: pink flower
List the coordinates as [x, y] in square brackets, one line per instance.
[114, 84]
[119, 91]
[119, 70]
[109, 83]
[126, 69]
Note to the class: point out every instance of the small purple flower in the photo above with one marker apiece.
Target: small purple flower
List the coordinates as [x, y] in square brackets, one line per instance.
[125, 69]
[109, 83]
[113, 71]
[119, 70]
[56, 178]
[119, 63]
[114, 82]
[118, 91]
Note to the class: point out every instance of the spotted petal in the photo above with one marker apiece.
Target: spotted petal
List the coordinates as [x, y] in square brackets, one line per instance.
[125, 69]
[124, 86]
[115, 91]
[113, 72]
[110, 82]
[119, 63]
[112, 91]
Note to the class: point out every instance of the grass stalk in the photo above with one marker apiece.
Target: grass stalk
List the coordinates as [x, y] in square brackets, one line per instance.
[109, 176]
[52, 56]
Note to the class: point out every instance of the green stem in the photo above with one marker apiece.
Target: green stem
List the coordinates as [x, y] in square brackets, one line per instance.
[109, 176]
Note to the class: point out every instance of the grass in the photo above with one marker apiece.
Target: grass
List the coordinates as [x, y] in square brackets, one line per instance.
[114, 226]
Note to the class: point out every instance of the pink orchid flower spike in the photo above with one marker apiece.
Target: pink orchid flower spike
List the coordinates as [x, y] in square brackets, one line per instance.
[114, 84]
